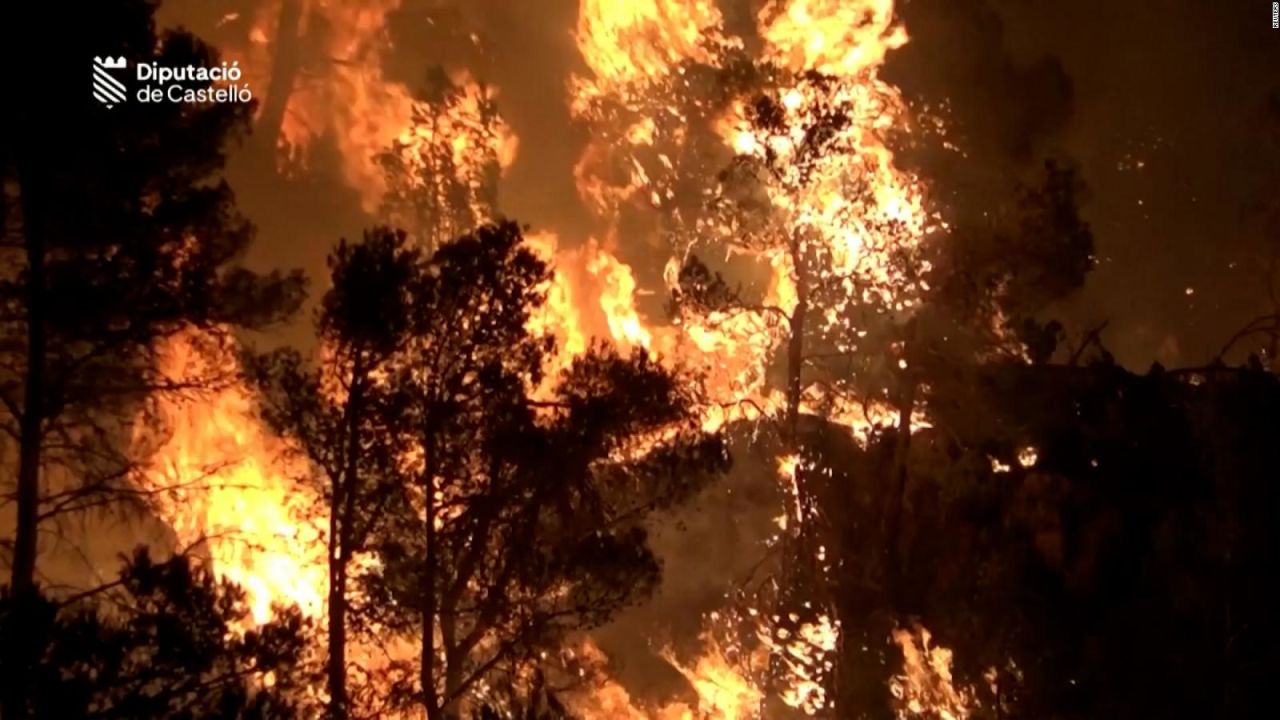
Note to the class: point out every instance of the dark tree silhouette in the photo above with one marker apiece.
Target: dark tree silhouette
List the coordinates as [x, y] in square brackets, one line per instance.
[119, 234]
[163, 641]
[504, 509]
[989, 287]
[1122, 571]
[526, 512]
[337, 409]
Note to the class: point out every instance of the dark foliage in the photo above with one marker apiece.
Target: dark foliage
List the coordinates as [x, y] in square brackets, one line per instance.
[168, 642]
[503, 515]
[1128, 569]
[118, 233]
[1124, 572]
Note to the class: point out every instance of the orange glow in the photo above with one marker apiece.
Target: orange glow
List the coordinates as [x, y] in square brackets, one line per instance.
[723, 689]
[236, 490]
[449, 155]
[834, 37]
[348, 97]
[856, 203]
[925, 688]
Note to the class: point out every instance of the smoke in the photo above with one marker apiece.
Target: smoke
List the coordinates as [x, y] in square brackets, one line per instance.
[713, 546]
[1164, 111]
[1002, 113]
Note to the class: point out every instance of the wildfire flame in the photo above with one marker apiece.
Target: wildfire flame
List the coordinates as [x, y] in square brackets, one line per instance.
[226, 483]
[255, 517]
[628, 42]
[722, 690]
[832, 36]
[342, 94]
[926, 688]
[592, 295]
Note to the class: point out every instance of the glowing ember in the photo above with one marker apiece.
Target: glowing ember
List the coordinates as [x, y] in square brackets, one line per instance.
[1028, 456]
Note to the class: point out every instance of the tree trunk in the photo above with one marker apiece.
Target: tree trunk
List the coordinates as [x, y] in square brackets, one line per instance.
[428, 670]
[25, 651]
[337, 640]
[795, 355]
[452, 680]
[31, 424]
[337, 665]
[897, 494]
[452, 653]
[342, 519]
[284, 70]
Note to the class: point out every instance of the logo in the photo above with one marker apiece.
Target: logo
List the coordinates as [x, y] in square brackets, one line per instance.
[156, 83]
[106, 88]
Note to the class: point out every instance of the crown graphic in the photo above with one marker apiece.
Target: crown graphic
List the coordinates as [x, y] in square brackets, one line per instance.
[110, 63]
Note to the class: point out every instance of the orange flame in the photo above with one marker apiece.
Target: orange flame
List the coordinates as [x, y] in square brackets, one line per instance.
[625, 42]
[228, 483]
[721, 689]
[258, 519]
[926, 688]
[834, 37]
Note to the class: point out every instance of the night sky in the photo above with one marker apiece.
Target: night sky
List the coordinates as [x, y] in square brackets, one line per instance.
[1181, 87]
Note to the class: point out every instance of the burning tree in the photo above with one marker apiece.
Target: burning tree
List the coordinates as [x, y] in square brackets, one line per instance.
[499, 510]
[811, 196]
[442, 172]
[337, 411]
[802, 196]
[770, 148]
